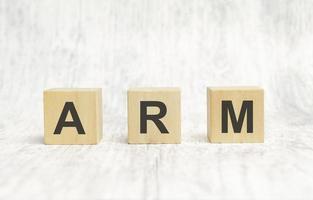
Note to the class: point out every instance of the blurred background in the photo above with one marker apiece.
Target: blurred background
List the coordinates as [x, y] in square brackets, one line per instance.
[191, 44]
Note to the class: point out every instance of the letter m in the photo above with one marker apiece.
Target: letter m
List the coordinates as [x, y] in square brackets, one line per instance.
[246, 110]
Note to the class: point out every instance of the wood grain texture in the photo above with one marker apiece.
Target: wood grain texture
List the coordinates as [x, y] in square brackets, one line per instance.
[170, 97]
[88, 105]
[237, 95]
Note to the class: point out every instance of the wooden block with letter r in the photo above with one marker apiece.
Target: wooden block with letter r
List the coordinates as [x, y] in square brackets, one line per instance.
[235, 114]
[72, 116]
[154, 115]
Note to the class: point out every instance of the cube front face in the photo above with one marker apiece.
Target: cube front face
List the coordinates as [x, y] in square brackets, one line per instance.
[154, 116]
[82, 116]
[235, 115]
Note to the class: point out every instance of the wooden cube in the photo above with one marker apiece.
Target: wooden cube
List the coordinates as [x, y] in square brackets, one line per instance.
[154, 115]
[235, 115]
[73, 116]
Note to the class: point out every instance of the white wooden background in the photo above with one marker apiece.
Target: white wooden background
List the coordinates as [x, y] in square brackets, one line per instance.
[192, 44]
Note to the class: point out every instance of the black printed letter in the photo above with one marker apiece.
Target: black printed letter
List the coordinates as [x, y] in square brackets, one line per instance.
[69, 107]
[144, 117]
[247, 107]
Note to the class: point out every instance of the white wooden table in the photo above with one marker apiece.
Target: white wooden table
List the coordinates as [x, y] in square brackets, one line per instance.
[117, 44]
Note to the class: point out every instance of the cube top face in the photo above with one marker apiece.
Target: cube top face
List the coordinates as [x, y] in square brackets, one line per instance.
[154, 116]
[71, 90]
[155, 89]
[236, 115]
[82, 106]
[243, 88]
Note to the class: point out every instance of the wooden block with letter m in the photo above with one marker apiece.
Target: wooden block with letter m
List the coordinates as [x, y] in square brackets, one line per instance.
[154, 115]
[235, 115]
[72, 116]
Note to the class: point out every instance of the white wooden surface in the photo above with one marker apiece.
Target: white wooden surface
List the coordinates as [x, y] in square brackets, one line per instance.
[118, 44]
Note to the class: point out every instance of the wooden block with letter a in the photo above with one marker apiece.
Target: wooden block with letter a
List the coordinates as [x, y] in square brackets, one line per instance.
[235, 115]
[154, 115]
[72, 116]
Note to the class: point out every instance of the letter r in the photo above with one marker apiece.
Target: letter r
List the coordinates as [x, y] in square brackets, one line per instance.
[144, 117]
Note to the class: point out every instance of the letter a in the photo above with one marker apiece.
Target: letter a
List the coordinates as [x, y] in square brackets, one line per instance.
[69, 107]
